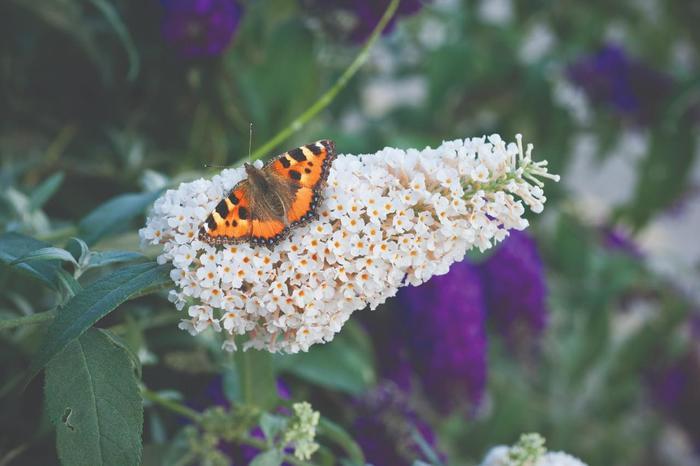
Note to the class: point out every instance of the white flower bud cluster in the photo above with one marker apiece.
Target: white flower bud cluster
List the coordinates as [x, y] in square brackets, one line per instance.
[387, 220]
[529, 451]
[302, 431]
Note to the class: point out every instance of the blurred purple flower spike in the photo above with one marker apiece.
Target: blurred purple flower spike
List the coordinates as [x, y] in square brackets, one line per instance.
[632, 88]
[616, 239]
[444, 322]
[515, 288]
[387, 428]
[200, 28]
[675, 388]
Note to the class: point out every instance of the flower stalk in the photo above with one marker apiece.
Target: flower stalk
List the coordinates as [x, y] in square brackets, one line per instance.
[325, 100]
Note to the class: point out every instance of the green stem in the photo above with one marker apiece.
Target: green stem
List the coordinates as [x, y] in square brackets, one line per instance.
[171, 405]
[257, 378]
[59, 235]
[262, 446]
[196, 417]
[27, 320]
[329, 95]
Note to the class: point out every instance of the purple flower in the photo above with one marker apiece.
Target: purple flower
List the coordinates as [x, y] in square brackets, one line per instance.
[616, 239]
[444, 331]
[515, 288]
[200, 28]
[630, 87]
[387, 428]
[675, 387]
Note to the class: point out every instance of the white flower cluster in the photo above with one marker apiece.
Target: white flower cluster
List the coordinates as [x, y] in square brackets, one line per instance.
[500, 456]
[386, 220]
[528, 451]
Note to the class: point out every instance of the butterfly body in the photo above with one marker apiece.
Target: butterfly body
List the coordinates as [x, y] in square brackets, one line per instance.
[281, 195]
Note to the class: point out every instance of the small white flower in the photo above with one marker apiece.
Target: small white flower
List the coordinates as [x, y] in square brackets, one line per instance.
[386, 220]
[229, 345]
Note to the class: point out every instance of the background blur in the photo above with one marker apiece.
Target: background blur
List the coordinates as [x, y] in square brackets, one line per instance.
[582, 328]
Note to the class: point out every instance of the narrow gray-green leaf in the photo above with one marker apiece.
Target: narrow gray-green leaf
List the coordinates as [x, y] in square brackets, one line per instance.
[93, 303]
[79, 249]
[111, 15]
[92, 398]
[114, 215]
[268, 458]
[100, 259]
[336, 434]
[45, 190]
[14, 245]
[46, 254]
[70, 284]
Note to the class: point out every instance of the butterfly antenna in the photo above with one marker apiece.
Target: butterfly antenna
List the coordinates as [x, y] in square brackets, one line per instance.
[250, 145]
[250, 141]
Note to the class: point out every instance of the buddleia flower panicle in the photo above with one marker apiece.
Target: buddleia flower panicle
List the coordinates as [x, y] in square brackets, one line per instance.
[528, 451]
[387, 219]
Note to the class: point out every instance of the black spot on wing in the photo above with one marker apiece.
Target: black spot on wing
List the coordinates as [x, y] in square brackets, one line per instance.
[285, 161]
[222, 209]
[234, 200]
[295, 175]
[297, 154]
[211, 223]
[243, 213]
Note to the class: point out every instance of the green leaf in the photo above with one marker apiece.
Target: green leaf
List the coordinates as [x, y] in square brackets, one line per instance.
[93, 303]
[92, 398]
[14, 246]
[119, 341]
[232, 384]
[70, 284]
[257, 378]
[100, 259]
[425, 448]
[79, 249]
[122, 32]
[46, 254]
[268, 458]
[345, 364]
[336, 434]
[272, 425]
[114, 215]
[45, 190]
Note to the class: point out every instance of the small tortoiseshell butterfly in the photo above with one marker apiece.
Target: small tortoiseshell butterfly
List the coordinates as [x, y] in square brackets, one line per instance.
[281, 195]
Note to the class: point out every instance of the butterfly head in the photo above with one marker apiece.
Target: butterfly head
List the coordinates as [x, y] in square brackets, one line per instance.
[255, 175]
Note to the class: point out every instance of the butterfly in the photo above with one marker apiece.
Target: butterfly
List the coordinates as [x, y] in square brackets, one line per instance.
[264, 207]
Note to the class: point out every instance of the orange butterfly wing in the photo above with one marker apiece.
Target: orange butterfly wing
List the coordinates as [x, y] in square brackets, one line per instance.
[307, 167]
[230, 221]
[267, 231]
[235, 219]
